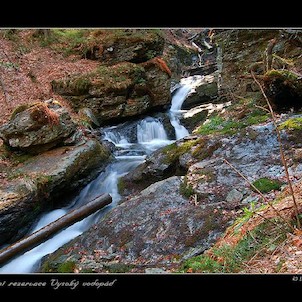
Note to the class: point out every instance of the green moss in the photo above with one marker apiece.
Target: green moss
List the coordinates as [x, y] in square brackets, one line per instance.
[14, 174]
[186, 189]
[121, 72]
[121, 185]
[265, 185]
[19, 109]
[10, 34]
[218, 125]
[174, 151]
[119, 268]
[256, 117]
[67, 267]
[15, 157]
[292, 124]
[230, 259]
[203, 150]
[80, 85]
[202, 264]
[282, 74]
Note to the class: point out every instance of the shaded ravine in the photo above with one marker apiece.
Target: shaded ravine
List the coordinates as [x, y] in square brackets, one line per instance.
[150, 136]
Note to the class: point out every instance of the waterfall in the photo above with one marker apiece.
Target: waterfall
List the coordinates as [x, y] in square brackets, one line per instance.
[150, 129]
[129, 153]
[187, 86]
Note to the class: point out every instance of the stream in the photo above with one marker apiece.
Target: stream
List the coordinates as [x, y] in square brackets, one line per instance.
[148, 135]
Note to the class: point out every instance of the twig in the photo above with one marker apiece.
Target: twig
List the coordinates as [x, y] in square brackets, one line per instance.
[284, 162]
[4, 91]
[263, 108]
[259, 192]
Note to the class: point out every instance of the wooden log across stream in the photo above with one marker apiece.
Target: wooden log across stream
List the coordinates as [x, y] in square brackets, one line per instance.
[44, 233]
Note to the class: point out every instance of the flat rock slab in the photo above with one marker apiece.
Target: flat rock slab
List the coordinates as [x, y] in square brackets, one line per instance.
[155, 229]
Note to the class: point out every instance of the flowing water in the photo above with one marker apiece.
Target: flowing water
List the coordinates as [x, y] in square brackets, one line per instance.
[150, 135]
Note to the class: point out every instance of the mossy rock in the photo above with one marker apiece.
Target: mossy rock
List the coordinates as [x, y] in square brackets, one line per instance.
[124, 45]
[292, 124]
[284, 89]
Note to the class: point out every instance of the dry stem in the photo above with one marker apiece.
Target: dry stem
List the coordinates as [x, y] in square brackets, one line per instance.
[284, 162]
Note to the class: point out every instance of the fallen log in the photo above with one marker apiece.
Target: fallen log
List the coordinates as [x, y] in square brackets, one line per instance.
[44, 233]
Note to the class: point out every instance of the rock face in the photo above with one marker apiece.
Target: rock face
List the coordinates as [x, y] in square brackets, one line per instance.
[118, 91]
[38, 127]
[144, 232]
[40, 182]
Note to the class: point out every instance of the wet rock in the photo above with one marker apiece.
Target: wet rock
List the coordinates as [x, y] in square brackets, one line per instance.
[161, 164]
[153, 229]
[194, 118]
[206, 91]
[38, 127]
[42, 180]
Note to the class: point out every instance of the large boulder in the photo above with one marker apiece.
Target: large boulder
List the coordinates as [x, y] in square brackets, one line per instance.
[125, 45]
[37, 127]
[161, 164]
[42, 180]
[119, 91]
[144, 232]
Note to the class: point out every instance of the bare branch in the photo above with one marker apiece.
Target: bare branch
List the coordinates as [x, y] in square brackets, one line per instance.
[284, 162]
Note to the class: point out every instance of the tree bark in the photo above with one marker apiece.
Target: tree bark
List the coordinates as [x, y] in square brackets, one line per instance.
[41, 235]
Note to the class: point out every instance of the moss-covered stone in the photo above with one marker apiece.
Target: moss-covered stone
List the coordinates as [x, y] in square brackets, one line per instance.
[175, 150]
[119, 45]
[284, 89]
[115, 268]
[19, 109]
[292, 124]
[117, 91]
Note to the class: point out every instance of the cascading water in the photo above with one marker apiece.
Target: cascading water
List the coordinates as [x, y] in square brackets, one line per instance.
[150, 135]
[187, 85]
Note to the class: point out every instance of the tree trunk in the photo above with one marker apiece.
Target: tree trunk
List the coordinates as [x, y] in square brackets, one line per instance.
[41, 235]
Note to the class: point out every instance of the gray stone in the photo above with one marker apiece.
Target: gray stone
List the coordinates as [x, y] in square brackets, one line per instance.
[250, 199]
[38, 127]
[149, 230]
[234, 196]
[154, 270]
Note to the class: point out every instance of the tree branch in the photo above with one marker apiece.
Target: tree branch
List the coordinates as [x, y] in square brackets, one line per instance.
[284, 162]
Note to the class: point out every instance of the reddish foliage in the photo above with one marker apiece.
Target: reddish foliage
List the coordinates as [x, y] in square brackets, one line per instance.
[27, 70]
[160, 63]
